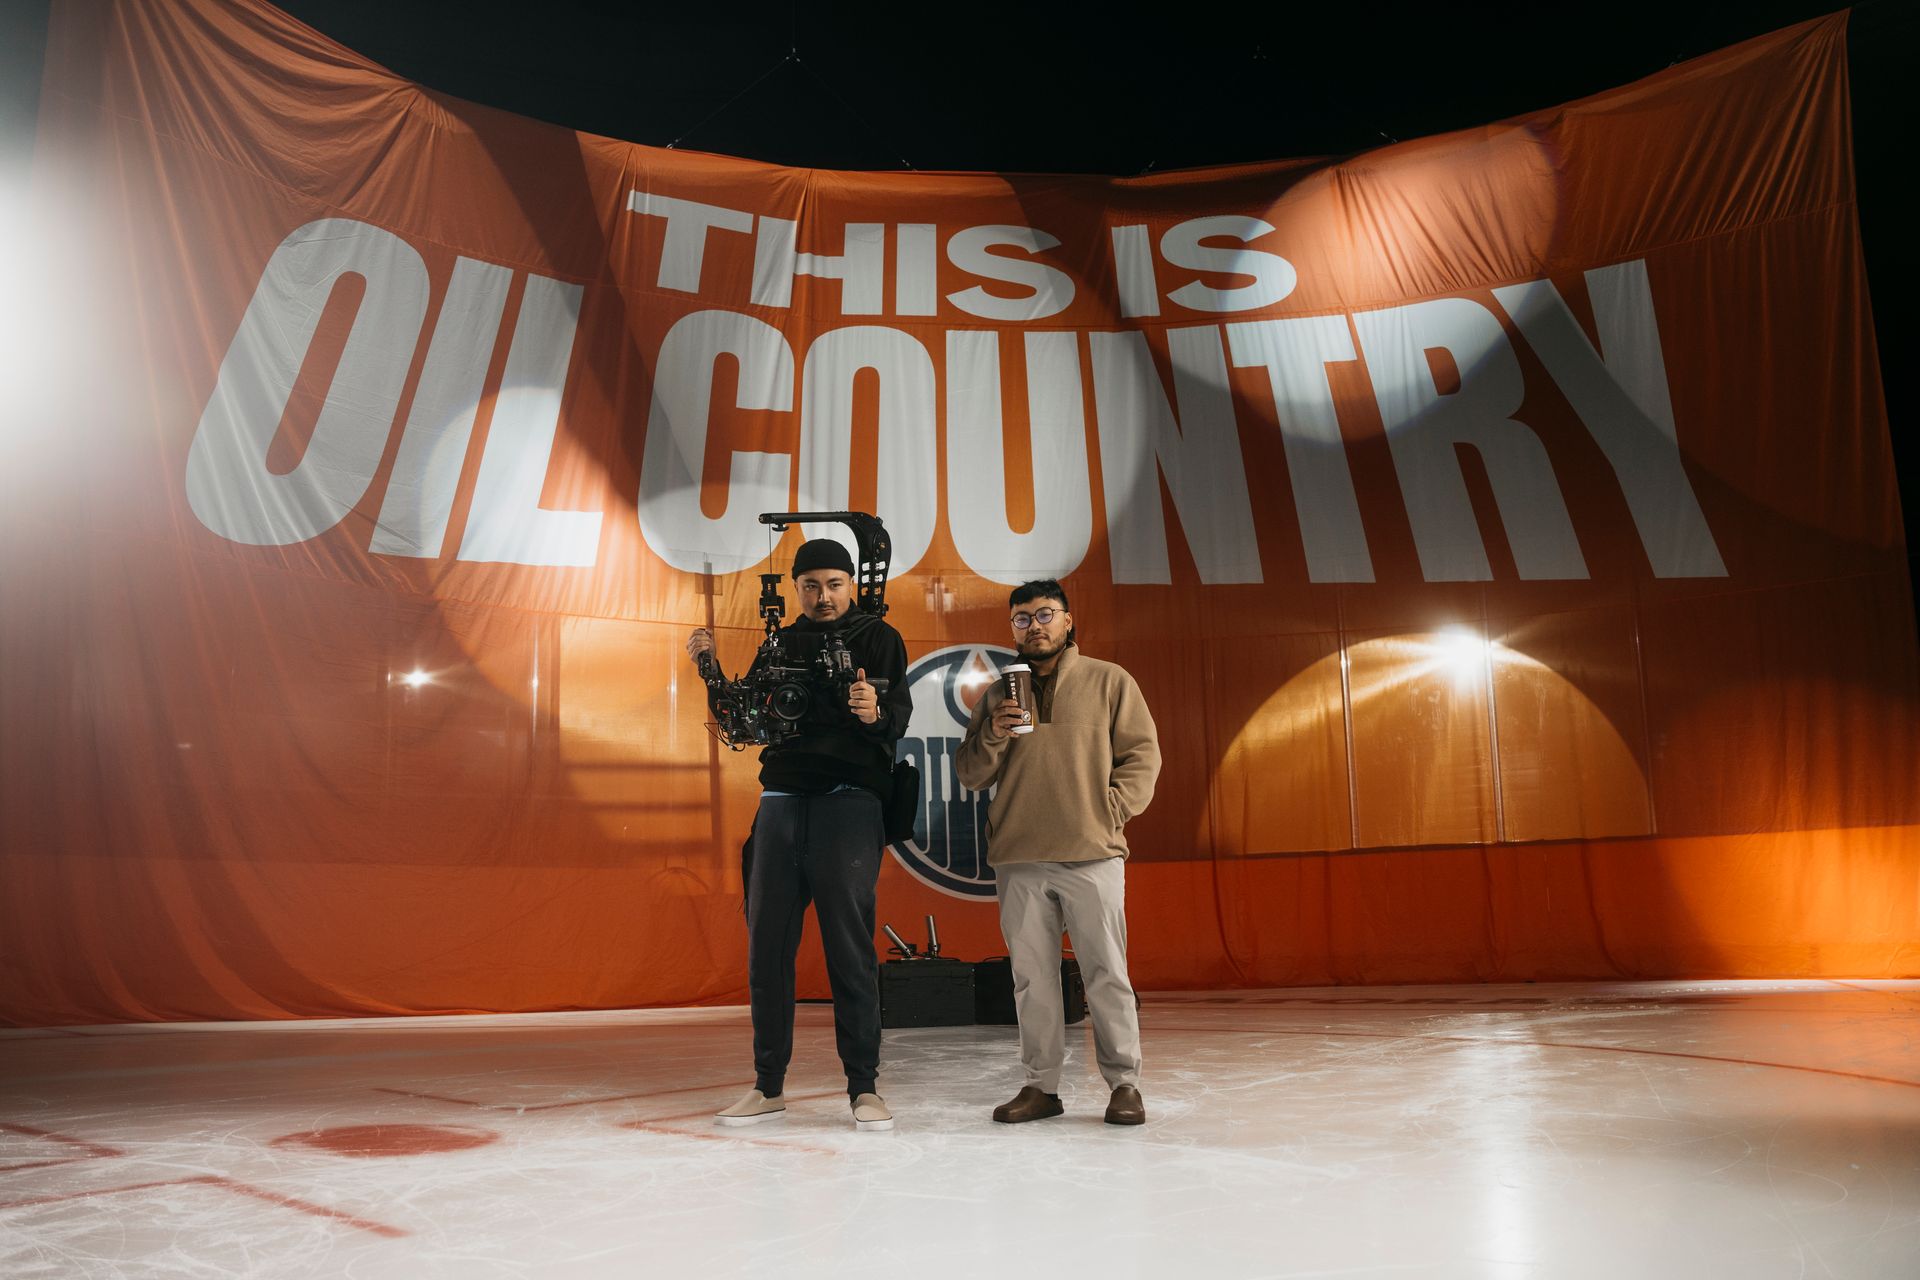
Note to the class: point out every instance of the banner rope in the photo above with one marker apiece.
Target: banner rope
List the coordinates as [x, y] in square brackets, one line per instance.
[721, 109]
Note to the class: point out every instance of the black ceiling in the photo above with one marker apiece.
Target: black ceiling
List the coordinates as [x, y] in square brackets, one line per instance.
[1059, 88]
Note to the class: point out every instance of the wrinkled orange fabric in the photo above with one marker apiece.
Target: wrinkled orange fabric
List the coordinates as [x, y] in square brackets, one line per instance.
[1564, 736]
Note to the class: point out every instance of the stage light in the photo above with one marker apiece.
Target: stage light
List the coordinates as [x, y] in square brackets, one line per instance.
[415, 678]
[32, 306]
[64, 348]
[1464, 653]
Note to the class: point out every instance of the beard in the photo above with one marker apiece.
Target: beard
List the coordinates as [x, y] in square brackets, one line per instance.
[1041, 647]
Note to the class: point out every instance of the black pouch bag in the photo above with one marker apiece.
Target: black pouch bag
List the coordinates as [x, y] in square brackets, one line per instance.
[903, 802]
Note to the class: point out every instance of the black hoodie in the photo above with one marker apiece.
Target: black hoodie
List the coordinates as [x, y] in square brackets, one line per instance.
[833, 746]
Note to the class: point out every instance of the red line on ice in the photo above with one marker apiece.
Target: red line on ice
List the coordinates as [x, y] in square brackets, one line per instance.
[557, 1106]
[93, 1149]
[1542, 1044]
[225, 1184]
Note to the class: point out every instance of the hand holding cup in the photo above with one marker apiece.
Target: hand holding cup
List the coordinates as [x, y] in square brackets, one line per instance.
[1015, 714]
[1008, 717]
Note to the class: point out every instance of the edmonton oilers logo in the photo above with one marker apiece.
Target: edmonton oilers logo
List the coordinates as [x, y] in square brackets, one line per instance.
[949, 845]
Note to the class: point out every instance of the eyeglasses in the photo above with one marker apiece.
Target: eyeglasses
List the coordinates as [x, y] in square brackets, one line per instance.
[1045, 617]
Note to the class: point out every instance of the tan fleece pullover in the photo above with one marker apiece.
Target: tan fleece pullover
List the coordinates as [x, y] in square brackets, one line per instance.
[1068, 788]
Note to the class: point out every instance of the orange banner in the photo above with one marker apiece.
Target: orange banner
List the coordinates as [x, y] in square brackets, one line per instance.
[1502, 528]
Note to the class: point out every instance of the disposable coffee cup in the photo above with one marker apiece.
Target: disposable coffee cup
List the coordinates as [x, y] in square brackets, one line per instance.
[1020, 689]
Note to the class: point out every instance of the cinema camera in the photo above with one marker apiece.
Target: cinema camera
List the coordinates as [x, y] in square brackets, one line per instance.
[791, 673]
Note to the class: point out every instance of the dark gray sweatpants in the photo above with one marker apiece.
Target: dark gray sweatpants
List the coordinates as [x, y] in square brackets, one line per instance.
[825, 850]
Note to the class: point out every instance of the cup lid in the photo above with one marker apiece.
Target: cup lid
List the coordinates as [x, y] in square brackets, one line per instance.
[1016, 666]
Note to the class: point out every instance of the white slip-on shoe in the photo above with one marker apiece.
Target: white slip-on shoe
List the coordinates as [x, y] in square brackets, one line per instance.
[752, 1109]
[869, 1112]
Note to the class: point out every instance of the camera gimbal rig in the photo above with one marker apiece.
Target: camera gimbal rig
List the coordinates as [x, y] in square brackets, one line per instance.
[764, 707]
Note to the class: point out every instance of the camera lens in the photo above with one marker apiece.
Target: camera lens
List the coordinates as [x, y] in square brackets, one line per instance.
[789, 701]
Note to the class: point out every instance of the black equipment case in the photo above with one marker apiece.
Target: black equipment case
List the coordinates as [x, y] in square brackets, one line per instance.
[993, 992]
[926, 992]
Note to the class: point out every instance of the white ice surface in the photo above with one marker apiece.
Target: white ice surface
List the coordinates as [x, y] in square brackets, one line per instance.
[1698, 1130]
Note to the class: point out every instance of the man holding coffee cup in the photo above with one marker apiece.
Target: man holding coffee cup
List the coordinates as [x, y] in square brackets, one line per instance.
[1075, 754]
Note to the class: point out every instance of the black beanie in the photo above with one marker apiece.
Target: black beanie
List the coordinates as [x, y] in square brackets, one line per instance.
[822, 553]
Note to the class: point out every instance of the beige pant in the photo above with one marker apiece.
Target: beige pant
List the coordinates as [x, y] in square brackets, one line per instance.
[1090, 900]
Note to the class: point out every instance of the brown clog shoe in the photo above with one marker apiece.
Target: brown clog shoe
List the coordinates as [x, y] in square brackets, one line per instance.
[1126, 1106]
[1028, 1104]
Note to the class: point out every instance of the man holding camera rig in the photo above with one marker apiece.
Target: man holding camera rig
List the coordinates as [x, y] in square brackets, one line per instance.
[1072, 769]
[818, 836]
